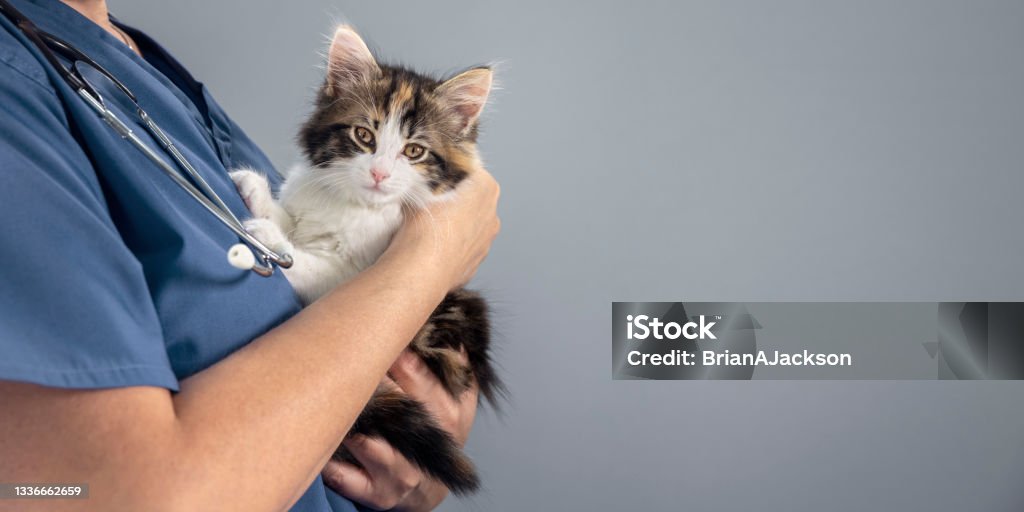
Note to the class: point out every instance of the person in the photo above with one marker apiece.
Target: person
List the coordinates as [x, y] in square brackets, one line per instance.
[137, 361]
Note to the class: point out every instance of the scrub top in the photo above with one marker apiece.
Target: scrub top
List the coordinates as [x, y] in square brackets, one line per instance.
[111, 274]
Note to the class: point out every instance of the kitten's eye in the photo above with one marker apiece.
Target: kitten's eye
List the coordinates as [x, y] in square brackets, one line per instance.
[413, 151]
[363, 135]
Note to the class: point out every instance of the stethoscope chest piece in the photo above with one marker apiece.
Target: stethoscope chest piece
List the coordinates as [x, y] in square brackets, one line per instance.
[241, 257]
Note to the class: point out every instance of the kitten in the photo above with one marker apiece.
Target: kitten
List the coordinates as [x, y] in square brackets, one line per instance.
[381, 139]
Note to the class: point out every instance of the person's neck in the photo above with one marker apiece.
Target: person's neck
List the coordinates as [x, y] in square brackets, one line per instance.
[97, 12]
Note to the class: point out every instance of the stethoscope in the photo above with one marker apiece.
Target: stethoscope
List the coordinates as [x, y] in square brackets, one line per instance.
[239, 255]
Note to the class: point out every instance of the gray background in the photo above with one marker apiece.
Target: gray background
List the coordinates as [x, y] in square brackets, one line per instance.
[717, 150]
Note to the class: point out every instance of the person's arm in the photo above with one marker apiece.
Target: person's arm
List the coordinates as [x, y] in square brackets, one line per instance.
[252, 431]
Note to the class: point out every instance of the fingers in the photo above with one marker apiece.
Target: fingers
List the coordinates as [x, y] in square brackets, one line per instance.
[409, 370]
[387, 479]
[416, 380]
[468, 225]
[463, 355]
[348, 480]
[412, 375]
[467, 405]
[486, 180]
[383, 482]
[455, 415]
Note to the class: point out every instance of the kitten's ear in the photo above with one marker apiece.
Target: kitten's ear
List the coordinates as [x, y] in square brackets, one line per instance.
[466, 94]
[348, 60]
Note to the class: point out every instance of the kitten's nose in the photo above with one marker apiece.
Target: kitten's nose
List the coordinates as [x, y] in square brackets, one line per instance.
[379, 174]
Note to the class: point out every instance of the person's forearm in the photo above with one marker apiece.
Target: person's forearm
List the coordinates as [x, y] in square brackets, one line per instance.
[288, 398]
[250, 432]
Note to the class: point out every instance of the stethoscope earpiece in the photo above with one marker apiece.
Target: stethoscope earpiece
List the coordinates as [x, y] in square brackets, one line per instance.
[241, 257]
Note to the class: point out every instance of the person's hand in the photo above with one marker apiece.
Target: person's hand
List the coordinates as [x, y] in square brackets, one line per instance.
[387, 481]
[456, 234]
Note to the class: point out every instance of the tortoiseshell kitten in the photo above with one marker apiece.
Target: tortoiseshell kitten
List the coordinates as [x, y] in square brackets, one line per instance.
[382, 138]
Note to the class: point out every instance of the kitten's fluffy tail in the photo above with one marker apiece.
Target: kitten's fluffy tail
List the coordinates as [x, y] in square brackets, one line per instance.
[407, 426]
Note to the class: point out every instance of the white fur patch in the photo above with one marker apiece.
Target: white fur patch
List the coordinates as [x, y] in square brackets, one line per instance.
[337, 219]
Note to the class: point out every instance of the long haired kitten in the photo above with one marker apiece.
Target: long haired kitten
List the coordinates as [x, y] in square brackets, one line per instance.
[380, 139]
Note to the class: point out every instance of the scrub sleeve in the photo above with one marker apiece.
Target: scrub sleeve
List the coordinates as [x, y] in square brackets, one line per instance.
[75, 310]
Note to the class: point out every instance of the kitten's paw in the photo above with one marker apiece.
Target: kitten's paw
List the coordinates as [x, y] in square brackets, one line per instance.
[255, 191]
[270, 234]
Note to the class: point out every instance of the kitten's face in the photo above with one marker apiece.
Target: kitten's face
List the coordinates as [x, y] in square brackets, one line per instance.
[384, 135]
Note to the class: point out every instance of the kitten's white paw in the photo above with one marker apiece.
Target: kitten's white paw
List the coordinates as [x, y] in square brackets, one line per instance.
[255, 191]
[270, 234]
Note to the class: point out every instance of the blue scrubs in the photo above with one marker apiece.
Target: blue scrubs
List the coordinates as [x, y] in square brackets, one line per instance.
[110, 274]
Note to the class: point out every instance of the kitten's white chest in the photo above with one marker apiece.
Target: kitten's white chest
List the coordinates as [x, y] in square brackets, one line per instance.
[329, 236]
[354, 236]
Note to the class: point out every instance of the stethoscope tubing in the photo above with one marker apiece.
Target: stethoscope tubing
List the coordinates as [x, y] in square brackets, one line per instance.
[218, 209]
